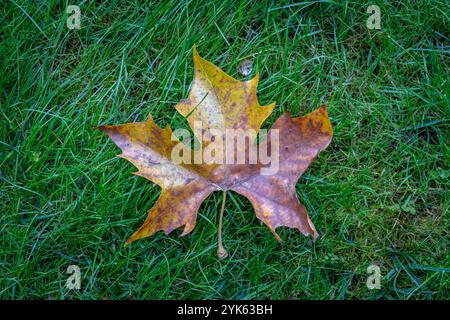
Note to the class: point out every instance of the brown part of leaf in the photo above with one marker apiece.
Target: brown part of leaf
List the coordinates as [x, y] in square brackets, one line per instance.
[274, 197]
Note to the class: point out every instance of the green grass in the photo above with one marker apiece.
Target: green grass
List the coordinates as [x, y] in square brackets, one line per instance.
[377, 195]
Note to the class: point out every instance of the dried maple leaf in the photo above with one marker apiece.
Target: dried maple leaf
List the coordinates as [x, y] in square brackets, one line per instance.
[217, 103]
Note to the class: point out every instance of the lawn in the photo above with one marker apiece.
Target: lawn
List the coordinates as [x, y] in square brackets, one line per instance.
[378, 195]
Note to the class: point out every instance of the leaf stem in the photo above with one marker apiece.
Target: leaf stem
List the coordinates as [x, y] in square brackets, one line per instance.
[221, 252]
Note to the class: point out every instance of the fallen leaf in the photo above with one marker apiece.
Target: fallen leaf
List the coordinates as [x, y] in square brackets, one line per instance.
[217, 103]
